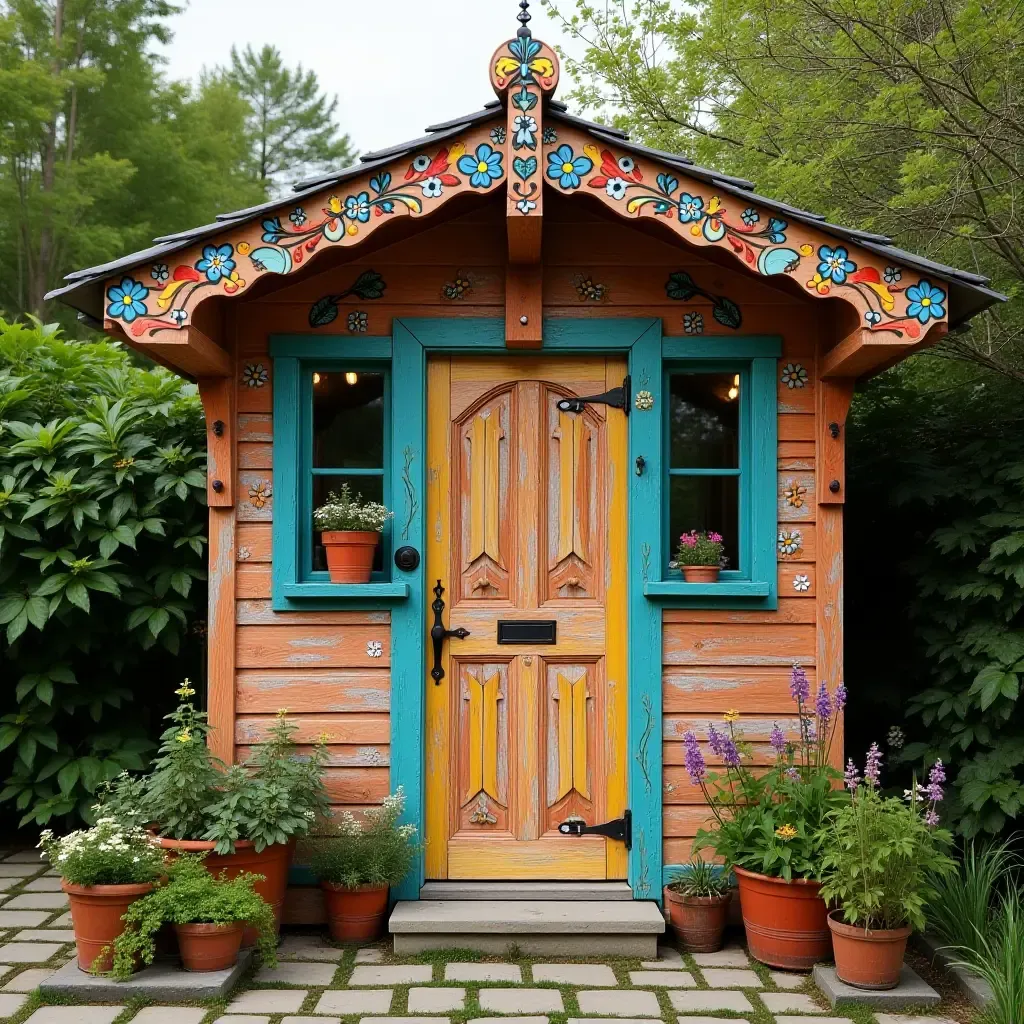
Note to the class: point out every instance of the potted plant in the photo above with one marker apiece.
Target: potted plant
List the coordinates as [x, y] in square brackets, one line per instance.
[698, 902]
[356, 864]
[350, 529]
[208, 914]
[768, 826]
[880, 858]
[700, 556]
[104, 870]
[245, 817]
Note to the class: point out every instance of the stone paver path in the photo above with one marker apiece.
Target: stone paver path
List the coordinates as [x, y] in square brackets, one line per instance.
[320, 983]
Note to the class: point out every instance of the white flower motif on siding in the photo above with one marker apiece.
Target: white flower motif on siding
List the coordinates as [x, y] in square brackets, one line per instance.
[255, 375]
[892, 275]
[374, 648]
[160, 272]
[526, 206]
[801, 583]
[244, 553]
[644, 401]
[357, 322]
[794, 375]
[693, 323]
[790, 542]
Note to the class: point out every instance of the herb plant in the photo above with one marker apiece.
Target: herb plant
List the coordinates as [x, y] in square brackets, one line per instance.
[193, 896]
[700, 548]
[379, 852]
[107, 854]
[342, 511]
[770, 822]
[882, 853]
[701, 880]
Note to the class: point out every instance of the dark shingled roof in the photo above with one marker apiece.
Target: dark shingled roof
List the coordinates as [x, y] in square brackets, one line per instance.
[969, 292]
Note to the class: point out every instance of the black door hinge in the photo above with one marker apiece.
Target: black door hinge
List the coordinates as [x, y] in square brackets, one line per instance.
[619, 829]
[617, 398]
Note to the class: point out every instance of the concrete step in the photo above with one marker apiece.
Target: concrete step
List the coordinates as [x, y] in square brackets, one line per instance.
[592, 891]
[537, 927]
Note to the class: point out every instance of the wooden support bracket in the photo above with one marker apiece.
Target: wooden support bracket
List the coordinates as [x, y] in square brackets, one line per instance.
[188, 351]
[833, 404]
[218, 397]
[865, 352]
[524, 307]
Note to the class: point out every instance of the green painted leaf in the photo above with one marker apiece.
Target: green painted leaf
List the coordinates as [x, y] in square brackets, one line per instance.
[525, 168]
[680, 286]
[323, 311]
[368, 285]
[727, 313]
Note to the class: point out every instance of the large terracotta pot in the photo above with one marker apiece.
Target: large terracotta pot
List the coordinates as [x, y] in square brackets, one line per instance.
[350, 554]
[274, 862]
[209, 947]
[868, 959]
[786, 922]
[355, 914]
[700, 573]
[96, 912]
[699, 921]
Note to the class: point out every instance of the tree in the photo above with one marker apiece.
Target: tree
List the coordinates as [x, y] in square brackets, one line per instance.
[291, 127]
[899, 116]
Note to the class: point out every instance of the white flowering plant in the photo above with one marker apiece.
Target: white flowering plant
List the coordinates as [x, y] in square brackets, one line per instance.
[378, 852]
[343, 512]
[109, 853]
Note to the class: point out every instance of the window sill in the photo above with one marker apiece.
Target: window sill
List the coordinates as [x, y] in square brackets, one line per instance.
[353, 592]
[671, 589]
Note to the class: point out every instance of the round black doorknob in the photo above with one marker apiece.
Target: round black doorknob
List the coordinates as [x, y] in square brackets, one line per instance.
[407, 558]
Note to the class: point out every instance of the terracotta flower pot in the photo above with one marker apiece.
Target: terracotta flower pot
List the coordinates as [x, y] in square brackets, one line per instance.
[274, 862]
[355, 914]
[868, 959]
[96, 912]
[700, 573]
[786, 922]
[209, 947]
[699, 921]
[350, 554]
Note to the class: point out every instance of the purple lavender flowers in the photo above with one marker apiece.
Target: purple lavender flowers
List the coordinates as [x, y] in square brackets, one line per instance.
[823, 706]
[694, 759]
[936, 777]
[873, 767]
[851, 776]
[777, 739]
[799, 685]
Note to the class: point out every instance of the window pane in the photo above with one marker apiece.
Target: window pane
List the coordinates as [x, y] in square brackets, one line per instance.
[706, 503]
[704, 415]
[348, 420]
[370, 487]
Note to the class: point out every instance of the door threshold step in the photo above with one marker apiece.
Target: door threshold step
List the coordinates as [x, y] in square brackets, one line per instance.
[484, 890]
[542, 927]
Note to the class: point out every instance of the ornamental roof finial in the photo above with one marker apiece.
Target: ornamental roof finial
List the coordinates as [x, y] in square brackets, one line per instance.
[524, 17]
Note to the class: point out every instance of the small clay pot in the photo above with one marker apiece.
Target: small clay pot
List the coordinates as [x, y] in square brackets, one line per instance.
[355, 914]
[209, 947]
[350, 554]
[96, 912]
[867, 959]
[699, 921]
[701, 573]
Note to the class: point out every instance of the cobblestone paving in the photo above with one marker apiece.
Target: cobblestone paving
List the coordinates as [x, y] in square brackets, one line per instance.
[318, 983]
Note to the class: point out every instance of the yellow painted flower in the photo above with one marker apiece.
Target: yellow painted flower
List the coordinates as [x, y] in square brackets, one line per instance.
[334, 204]
[243, 248]
[786, 832]
[732, 715]
[806, 250]
[184, 736]
[794, 494]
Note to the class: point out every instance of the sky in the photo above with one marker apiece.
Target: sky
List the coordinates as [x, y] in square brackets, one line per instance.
[396, 65]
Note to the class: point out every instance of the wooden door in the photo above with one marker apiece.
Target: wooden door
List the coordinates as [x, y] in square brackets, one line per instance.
[526, 520]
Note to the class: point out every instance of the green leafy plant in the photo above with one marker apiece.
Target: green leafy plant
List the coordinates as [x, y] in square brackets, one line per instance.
[107, 854]
[342, 511]
[378, 852]
[190, 794]
[102, 545]
[881, 854]
[700, 548]
[701, 879]
[959, 913]
[193, 896]
[770, 822]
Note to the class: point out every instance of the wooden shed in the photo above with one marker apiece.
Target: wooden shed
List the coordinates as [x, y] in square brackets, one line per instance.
[549, 350]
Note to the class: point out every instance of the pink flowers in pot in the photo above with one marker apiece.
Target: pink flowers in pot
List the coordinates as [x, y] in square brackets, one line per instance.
[700, 548]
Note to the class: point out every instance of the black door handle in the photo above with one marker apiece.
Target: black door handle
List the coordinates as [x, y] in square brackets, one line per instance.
[438, 634]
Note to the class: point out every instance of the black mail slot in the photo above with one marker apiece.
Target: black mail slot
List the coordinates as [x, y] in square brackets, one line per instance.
[526, 631]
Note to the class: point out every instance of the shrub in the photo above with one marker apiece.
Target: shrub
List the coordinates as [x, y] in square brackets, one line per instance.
[102, 543]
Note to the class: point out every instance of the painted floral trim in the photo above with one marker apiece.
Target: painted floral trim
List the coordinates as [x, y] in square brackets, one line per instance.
[458, 288]
[525, 66]
[482, 814]
[567, 168]
[374, 649]
[693, 323]
[358, 321]
[160, 272]
[644, 401]
[794, 375]
[483, 166]
[497, 135]
[801, 583]
[588, 289]
[259, 494]
[255, 375]
[794, 494]
[244, 554]
[790, 542]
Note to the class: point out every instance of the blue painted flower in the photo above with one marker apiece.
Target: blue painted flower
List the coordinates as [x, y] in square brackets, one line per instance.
[872, 316]
[834, 264]
[750, 216]
[380, 182]
[297, 216]
[777, 230]
[483, 166]
[926, 301]
[216, 262]
[179, 316]
[127, 299]
[358, 207]
[525, 132]
[272, 230]
[566, 168]
[690, 208]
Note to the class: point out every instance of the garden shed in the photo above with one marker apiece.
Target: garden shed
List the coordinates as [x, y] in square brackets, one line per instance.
[550, 351]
